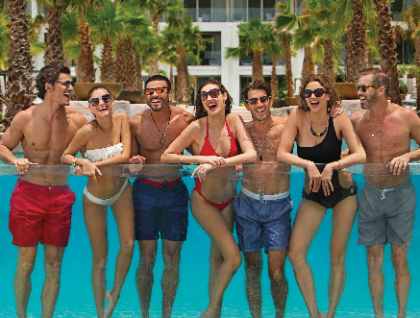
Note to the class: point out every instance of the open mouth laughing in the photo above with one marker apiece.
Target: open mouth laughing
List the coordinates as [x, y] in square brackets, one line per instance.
[212, 106]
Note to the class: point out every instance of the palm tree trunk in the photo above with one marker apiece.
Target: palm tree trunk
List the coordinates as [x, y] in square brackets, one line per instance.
[274, 80]
[308, 65]
[107, 63]
[130, 69]
[183, 81]
[120, 64]
[257, 67]
[328, 69]
[288, 66]
[139, 79]
[171, 80]
[54, 53]
[154, 65]
[418, 78]
[87, 55]
[357, 47]
[79, 70]
[19, 84]
[387, 49]
[369, 59]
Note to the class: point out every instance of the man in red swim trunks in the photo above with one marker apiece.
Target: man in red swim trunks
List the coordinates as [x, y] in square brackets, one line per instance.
[40, 207]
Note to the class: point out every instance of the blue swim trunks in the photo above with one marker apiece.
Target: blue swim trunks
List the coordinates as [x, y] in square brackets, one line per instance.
[160, 208]
[262, 220]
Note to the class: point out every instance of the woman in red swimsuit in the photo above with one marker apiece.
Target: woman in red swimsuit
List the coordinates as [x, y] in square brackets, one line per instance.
[214, 137]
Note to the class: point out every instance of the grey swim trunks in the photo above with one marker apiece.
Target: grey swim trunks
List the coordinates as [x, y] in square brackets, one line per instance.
[387, 214]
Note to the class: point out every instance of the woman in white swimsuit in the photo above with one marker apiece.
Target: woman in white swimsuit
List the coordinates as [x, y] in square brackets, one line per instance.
[105, 141]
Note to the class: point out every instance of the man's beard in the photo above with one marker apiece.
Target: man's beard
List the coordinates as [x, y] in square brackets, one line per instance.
[371, 100]
[165, 103]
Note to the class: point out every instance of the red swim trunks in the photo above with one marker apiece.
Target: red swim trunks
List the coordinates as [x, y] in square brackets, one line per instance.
[40, 214]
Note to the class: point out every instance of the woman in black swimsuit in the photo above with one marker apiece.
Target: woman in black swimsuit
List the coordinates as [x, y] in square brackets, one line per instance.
[319, 138]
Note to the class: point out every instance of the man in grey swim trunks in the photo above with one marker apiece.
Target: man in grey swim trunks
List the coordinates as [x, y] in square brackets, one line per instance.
[40, 207]
[388, 200]
[161, 202]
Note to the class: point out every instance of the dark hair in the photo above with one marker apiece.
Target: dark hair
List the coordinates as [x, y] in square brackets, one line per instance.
[325, 83]
[98, 87]
[158, 78]
[256, 85]
[379, 78]
[199, 109]
[49, 74]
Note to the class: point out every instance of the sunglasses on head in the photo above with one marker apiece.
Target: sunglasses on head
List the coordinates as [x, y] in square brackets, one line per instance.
[364, 88]
[95, 100]
[66, 83]
[151, 91]
[262, 99]
[213, 93]
[307, 93]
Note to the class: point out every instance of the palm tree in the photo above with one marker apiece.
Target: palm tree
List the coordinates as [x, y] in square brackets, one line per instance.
[19, 84]
[4, 40]
[54, 53]
[387, 44]
[411, 17]
[169, 56]
[255, 38]
[173, 9]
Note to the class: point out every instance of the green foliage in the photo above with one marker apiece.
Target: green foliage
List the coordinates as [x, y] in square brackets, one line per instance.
[410, 70]
[4, 40]
[403, 87]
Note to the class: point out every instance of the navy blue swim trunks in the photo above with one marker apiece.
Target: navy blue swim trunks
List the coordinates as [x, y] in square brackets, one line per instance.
[262, 220]
[160, 208]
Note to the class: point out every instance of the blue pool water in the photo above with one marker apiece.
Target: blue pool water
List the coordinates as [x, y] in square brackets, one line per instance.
[76, 298]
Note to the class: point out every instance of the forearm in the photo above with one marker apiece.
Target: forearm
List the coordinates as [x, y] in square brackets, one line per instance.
[351, 160]
[179, 158]
[6, 155]
[240, 159]
[115, 160]
[292, 159]
[412, 155]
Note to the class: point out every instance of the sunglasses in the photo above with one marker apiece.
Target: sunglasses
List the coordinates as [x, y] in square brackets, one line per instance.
[262, 99]
[307, 93]
[95, 100]
[364, 88]
[151, 91]
[213, 93]
[66, 83]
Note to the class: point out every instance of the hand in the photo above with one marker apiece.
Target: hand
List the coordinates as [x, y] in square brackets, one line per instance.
[398, 165]
[137, 159]
[314, 177]
[77, 171]
[336, 110]
[201, 170]
[21, 165]
[89, 170]
[326, 176]
[213, 160]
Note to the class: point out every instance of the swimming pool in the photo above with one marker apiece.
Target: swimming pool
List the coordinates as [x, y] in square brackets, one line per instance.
[76, 297]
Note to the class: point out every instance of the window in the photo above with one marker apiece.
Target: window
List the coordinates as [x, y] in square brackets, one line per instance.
[213, 53]
[191, 9]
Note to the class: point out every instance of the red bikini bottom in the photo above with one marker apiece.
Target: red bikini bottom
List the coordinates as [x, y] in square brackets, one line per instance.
[219, 206]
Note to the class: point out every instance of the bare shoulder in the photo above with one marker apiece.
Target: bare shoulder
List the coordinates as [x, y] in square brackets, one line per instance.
[136, 119]
[182, 114]
[234, 118]
[23, 117]
[407, 115]
[75, 117]
[279, 120]
[356, 117]
[121, 117]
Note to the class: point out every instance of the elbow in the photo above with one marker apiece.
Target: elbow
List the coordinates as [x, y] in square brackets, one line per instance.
[280, 157]
[164, 158]
[62, 158]
[254, 156]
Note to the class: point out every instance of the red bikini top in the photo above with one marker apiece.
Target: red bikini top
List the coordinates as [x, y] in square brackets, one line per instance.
[208, 149]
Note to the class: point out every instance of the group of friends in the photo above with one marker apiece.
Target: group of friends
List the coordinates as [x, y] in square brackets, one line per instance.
[218, 141]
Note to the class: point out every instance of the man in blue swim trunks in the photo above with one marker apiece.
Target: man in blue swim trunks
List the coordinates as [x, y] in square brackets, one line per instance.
[161, 201]
[262, 208]
[388, 200]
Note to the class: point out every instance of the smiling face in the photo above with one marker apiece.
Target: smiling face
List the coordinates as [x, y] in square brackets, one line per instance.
[158, 101]
[259, 110]
[370, 97]
[103, 108]
[316, 103]
[213, 104]
[60, 93]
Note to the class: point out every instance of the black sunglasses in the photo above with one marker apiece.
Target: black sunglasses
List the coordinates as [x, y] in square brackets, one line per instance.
[213, 93]
[254, 101]
[95, 100]
[364, 88]
[66, 83]
[307, 93]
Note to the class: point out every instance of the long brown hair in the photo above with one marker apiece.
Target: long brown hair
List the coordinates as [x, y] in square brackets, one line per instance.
[325, 83]
[199, 109]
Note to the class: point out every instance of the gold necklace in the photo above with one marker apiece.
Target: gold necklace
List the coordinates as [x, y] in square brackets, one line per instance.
[162, 139]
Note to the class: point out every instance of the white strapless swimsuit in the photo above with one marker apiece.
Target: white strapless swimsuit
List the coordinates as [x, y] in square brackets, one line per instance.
[101, 154]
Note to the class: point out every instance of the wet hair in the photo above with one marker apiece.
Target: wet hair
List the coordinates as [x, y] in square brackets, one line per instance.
[49, 74]
[158, 78]
[256, 85]
[199, 109]
[98, 87]
[325, 83]
[379, 78]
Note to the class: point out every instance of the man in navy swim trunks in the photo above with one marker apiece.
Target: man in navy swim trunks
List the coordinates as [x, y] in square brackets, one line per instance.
[41, 204]
[262, 208]
[160, 201]
[388, 200]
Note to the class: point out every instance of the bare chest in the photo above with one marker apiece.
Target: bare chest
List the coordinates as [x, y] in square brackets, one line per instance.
[266, 144]
[151, 139]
